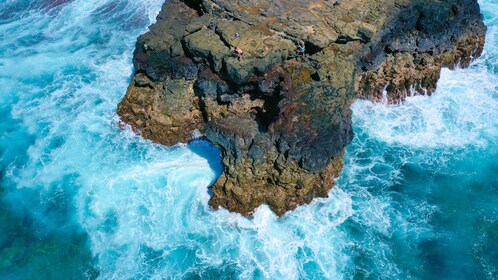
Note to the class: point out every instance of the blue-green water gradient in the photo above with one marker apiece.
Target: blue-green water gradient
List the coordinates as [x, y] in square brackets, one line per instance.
[83, 199]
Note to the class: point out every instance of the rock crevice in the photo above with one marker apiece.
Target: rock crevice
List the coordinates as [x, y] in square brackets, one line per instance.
[282, 117]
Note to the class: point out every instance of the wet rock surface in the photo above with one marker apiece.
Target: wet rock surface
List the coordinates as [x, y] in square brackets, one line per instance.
[282, 117]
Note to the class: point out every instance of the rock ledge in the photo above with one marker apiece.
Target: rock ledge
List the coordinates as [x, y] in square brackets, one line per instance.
[282, 118]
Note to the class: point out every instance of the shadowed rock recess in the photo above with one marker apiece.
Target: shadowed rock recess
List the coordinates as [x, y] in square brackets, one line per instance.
[282, 120]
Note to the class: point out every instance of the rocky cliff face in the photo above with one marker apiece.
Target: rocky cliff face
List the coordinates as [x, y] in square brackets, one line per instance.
[282, 118]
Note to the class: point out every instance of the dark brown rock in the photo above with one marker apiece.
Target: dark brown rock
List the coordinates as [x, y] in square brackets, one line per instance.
[282, 119]
[417, 44]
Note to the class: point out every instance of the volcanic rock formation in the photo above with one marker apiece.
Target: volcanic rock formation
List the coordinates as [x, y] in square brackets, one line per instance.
[282, 118]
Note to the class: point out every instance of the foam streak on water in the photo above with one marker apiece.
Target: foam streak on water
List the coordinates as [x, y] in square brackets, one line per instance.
[83, 199]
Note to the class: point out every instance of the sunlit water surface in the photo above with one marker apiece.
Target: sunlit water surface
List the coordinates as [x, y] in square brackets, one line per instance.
[81, 198]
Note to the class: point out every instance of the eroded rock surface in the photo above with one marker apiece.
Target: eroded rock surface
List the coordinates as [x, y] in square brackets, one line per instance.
[282, 119]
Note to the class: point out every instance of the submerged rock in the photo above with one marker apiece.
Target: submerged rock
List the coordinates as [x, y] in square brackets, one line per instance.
[281, 114]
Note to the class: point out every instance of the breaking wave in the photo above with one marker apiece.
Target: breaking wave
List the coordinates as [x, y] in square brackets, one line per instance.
[82, 198]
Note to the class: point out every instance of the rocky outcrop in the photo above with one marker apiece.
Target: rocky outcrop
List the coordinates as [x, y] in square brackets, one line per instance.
[407, 59]
[282, 117]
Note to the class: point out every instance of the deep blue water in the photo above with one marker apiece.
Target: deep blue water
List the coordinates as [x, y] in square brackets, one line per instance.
[83, 199]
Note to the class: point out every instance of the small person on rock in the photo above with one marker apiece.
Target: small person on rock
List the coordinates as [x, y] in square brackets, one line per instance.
[238, 53]
[301, 48]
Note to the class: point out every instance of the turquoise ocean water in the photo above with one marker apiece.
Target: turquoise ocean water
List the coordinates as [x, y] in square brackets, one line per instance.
[82, 199]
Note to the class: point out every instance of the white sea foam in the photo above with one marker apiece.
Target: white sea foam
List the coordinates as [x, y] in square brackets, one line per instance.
[461, 112]
[145, 207]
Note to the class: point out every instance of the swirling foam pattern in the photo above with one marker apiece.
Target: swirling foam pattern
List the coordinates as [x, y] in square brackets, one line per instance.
[83, 199]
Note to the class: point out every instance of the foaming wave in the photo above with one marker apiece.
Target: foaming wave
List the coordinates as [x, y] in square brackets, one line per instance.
[147, 202]
[461, 112]
[404, 161]
[145, 207]
[164, 208]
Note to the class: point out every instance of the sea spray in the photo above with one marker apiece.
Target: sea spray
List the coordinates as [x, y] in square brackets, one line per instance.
[83, 198]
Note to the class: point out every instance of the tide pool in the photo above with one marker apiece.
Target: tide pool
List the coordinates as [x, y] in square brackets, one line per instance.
[83, 199]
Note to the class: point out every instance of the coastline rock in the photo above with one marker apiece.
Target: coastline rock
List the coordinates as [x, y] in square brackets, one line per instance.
[282, 118]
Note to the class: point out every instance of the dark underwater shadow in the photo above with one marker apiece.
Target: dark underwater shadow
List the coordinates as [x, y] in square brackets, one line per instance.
[40, 239]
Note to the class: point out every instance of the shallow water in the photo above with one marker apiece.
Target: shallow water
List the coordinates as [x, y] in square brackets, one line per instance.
[83, 199]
